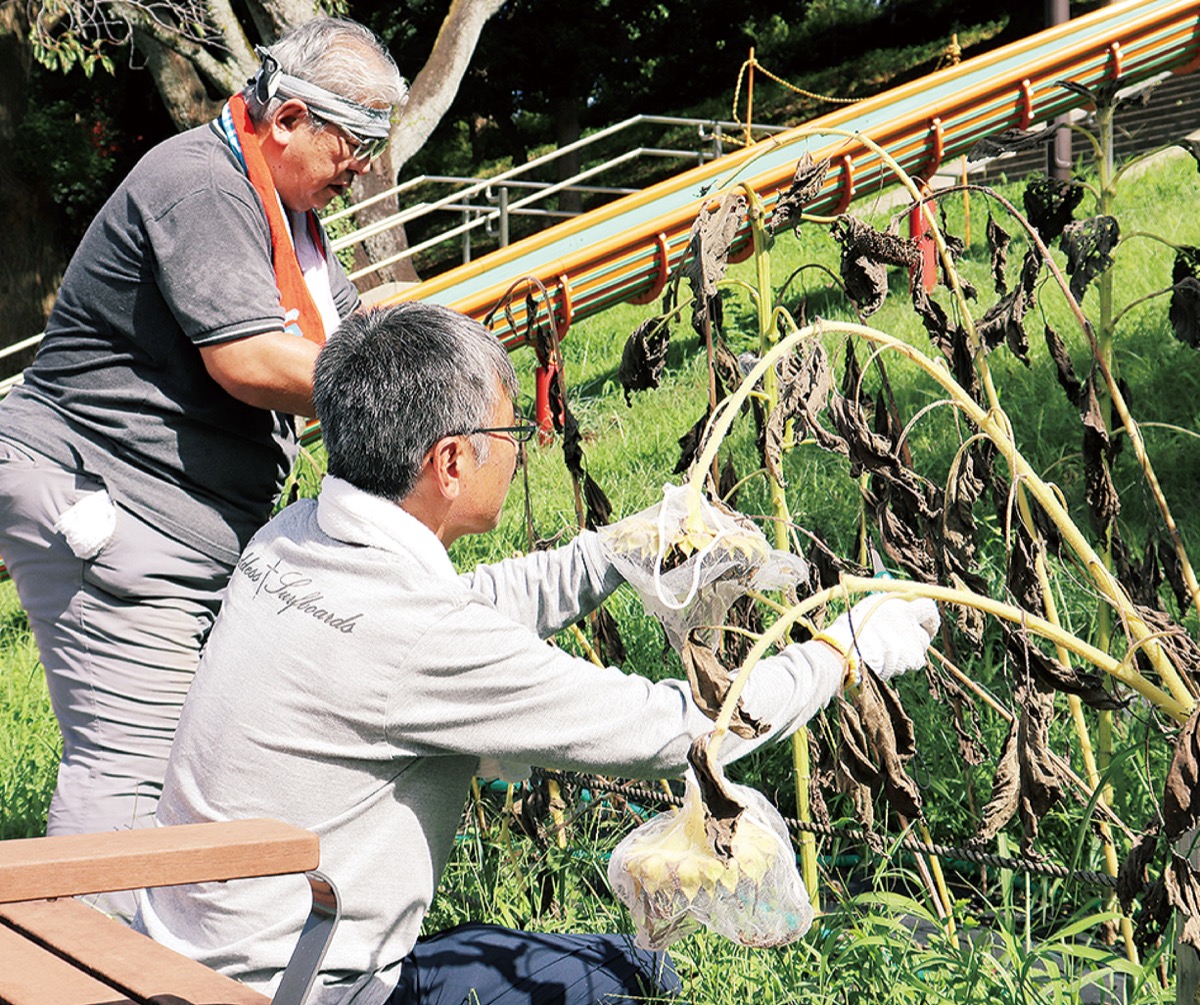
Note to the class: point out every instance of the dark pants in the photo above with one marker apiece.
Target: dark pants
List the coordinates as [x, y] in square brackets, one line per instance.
[489, 965]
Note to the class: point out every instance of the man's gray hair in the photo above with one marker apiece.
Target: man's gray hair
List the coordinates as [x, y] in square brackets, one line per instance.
[338, 55]
[393, 381]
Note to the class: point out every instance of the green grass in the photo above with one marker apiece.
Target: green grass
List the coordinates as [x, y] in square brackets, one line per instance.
[1030, 944]
[29, 739]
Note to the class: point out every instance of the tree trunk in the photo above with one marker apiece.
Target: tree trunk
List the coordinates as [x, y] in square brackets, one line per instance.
[567, 131]
[391, 242]
[34, 256]
[178, 83]
[429, 98]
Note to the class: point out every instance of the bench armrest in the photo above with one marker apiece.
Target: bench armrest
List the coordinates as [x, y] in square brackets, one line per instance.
[75, 864]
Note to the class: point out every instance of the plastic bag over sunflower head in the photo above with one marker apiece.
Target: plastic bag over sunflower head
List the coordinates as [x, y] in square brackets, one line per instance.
[723, 860]
[690, 559]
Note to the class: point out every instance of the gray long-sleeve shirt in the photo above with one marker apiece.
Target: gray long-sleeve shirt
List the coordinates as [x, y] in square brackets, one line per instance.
[353, 683]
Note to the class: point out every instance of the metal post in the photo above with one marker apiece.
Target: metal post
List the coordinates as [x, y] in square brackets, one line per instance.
[466, 237]
[504, 216]
[1058, 152]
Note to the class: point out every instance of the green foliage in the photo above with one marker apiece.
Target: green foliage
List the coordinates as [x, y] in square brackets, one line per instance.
[29, 741]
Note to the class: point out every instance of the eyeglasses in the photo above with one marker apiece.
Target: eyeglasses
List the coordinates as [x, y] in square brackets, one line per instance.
[524, 430]
[362, 148]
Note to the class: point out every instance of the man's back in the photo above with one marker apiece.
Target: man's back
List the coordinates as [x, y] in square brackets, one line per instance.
[288, 718]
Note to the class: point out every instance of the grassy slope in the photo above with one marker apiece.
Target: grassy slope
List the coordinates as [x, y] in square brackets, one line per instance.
[631, 451]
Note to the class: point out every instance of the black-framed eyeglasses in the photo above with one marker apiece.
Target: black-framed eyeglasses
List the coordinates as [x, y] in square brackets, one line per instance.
[522, 432]
[362, 147]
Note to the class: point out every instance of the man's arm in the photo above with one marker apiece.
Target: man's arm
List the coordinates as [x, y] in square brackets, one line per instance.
[479, 684]
[548, 590]
[272, 371]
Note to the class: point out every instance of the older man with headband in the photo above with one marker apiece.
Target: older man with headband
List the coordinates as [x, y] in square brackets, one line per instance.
[154, 431]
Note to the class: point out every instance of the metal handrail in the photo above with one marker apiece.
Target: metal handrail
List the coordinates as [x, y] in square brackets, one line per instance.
[484, 217]
[592, 138]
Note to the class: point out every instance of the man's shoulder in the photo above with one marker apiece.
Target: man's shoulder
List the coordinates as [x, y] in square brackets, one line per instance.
[192, 164]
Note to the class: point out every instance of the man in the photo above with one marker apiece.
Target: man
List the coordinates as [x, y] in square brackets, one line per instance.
[353, 683]
[154, 430]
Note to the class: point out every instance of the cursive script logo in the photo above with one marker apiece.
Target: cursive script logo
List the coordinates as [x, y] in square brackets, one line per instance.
[292, 591]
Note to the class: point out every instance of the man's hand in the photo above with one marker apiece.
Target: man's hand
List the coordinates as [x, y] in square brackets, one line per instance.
[887, 633]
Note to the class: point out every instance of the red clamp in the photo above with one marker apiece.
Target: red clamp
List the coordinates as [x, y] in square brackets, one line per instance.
[548, 371]
[938, 138]
[1115, 60]
[847, 163]
[663, 267]
[1025, 107]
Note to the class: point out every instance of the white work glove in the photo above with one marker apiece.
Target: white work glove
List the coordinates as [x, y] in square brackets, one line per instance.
[887, 633]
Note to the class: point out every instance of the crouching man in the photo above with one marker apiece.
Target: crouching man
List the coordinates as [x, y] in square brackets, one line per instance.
[354, 682]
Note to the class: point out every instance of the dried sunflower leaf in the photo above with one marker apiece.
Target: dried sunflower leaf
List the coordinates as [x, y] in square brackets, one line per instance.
[1173, 569]
[1181, 793]
[998, 240]
[906, 546]
[1102, 95]
[880, 729]
[689, 444]
[1022, 578]
[1008, 141]
[1002, 321]
[1155, 914]
[805, 381]
[806, 186]
[1132, 876]
[597, 507]
[644, 357]
[727, 483]
[1182, 884]
[1192, 147]
[1041, 784]
[609, 643]
[866, 253]
[852, 752]
[958, 519]
[952, 342]
[722, 810]
[735, 646]
[710, 681]
[1066, 370]
[1143, 579]
[1184, 312]
[1006, 790]
[956, 247]
[572, 440]
[1032, 662]
[1049, 205]
[712, 235]
[1087, 244]
[1103, 502]
[970, 620]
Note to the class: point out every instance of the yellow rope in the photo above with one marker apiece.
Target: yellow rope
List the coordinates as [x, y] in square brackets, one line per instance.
[737, 91]
[951, 56]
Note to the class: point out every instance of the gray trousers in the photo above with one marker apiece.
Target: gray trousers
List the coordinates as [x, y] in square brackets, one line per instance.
[119, 636]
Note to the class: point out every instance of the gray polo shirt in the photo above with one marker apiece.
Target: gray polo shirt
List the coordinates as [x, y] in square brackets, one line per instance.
[179, 257]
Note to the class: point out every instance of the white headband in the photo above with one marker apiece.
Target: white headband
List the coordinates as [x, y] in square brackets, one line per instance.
[361, 120]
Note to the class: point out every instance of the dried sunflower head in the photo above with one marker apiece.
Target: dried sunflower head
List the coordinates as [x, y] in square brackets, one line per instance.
[690, 558]
[723, 860]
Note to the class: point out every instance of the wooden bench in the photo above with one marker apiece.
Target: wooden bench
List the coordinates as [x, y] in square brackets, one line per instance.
[55, 950]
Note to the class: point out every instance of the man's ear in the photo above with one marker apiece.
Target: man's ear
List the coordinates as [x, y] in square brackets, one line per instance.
[288, 117]
[448, 462]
